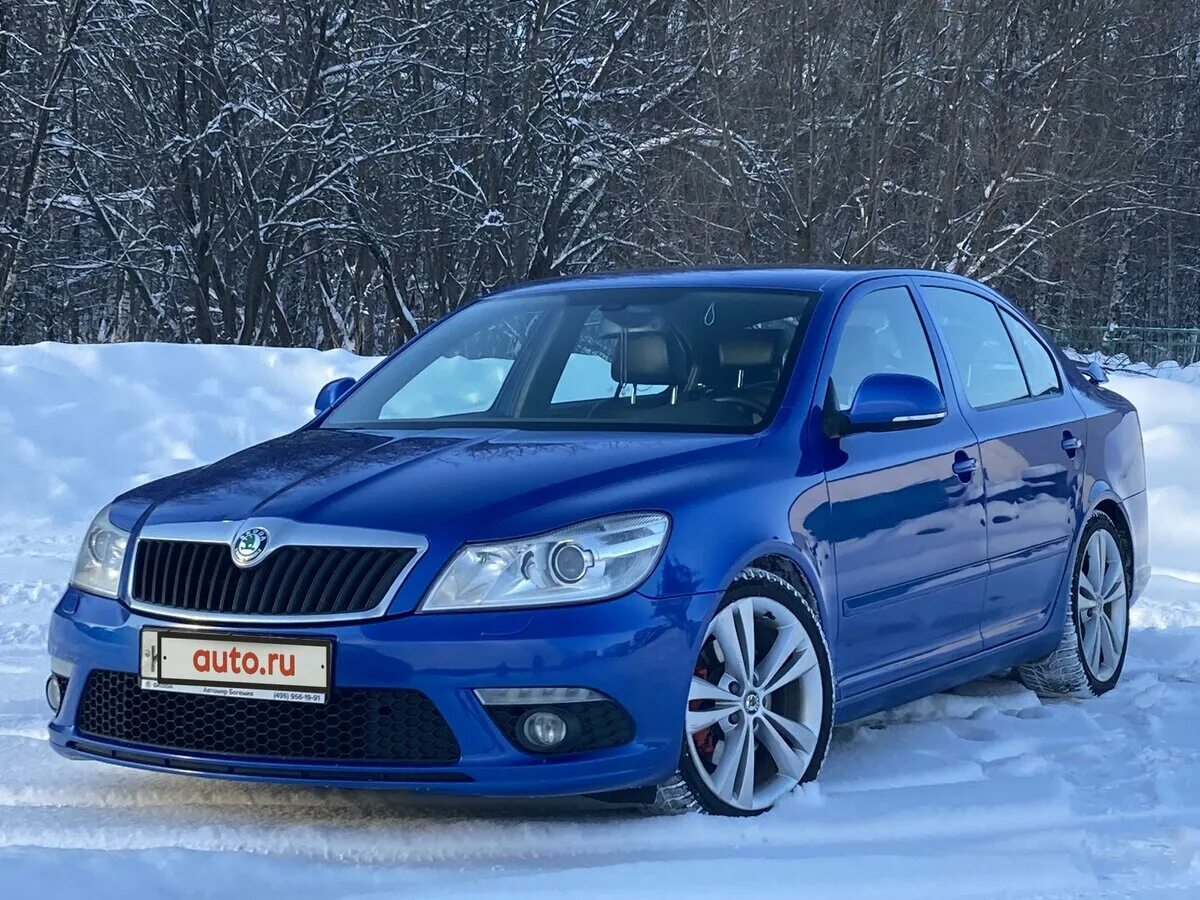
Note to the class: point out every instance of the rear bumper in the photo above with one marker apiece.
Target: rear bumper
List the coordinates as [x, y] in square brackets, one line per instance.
[636, 650]
[1138, 514]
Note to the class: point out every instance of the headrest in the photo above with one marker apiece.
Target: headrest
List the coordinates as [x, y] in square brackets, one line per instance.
[751, 349]
[861, 348]
[649, 357]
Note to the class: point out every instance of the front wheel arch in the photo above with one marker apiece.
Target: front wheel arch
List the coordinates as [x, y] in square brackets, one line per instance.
[808, 575]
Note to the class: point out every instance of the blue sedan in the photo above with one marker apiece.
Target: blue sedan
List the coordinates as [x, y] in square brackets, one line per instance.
[647, 537]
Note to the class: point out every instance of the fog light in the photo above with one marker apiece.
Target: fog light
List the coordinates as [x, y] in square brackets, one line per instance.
[543, 729]
[54, 692]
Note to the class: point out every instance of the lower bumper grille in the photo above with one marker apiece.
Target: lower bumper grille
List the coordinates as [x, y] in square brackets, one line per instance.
[362, 725]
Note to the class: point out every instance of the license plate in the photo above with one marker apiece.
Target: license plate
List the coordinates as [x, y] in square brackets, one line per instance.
[231, 665]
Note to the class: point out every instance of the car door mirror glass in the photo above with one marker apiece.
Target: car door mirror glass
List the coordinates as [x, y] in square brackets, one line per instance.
[1095, 373]
[891, 402]
[332, 393]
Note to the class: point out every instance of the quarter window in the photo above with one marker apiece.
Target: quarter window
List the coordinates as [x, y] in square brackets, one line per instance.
[883, 333]
[1039, 368]
[979, 344]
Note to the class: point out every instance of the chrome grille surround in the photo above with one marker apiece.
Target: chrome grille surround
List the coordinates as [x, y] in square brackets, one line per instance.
[284, 533]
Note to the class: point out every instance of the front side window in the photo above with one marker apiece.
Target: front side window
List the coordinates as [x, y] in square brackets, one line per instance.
[1040, 371]
[708, 359]
[979, 344]
[883, 333]
[466, 381]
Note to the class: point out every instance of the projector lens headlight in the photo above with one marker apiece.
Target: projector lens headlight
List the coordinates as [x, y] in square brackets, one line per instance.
[98, 566]
[594, 560]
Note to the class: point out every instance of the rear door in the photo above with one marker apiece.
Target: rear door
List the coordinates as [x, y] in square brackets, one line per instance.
[906, 508]
[1031, 435]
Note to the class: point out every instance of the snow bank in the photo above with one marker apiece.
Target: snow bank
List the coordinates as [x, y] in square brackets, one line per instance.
[79, 424]
[1171, 370]
[1169, 409]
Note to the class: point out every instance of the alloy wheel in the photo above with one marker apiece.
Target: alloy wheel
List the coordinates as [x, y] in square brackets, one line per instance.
[1102, 605]
[755, 704]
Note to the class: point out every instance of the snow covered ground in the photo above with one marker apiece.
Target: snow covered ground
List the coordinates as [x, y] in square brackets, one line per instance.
[983, 793]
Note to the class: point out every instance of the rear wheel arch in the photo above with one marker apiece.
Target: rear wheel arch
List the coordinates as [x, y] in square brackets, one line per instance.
[1103, 499]
[1111, 508]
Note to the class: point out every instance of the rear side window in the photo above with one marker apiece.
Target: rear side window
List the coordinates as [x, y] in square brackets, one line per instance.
[1040, 372]
[883, 333]
[979, 344]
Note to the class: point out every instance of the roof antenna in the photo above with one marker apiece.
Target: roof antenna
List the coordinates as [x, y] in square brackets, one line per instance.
[846, 244]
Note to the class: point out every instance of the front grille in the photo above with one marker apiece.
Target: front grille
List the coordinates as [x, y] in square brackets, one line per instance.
[197, 577]
[363, 725]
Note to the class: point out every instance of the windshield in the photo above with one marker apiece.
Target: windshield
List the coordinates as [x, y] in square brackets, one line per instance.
[692, 359]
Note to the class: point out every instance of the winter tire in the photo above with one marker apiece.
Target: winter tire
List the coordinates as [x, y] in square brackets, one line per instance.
[1089, 659]
[760, 708]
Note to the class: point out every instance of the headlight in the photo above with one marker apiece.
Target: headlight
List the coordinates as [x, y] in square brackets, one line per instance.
[98, 567]
[593, 560]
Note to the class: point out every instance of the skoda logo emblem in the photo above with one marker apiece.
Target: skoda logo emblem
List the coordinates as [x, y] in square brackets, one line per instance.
[249, 546]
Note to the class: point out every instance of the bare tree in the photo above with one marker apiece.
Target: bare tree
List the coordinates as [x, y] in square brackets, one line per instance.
[343, 172]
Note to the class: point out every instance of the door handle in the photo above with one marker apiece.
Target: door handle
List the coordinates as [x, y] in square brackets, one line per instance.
[964, 466]
[1071, 444]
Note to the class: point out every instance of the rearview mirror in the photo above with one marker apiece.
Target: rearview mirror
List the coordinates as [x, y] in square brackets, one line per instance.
[889, 401]
[332, 393]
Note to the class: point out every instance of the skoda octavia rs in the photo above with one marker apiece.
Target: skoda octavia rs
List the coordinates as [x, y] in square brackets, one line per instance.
[641, 536]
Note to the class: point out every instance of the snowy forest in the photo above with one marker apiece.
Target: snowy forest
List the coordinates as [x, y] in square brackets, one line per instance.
[339, 173]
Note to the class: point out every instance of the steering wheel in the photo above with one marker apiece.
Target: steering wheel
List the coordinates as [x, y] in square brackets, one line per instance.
[753, 406]
[595, 406]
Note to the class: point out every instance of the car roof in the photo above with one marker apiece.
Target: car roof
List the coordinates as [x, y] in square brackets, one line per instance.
[800, 278]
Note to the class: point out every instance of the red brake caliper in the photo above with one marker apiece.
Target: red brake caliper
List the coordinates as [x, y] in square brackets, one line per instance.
[703, 740]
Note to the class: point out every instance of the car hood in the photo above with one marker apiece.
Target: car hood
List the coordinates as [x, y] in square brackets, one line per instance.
[452, 486]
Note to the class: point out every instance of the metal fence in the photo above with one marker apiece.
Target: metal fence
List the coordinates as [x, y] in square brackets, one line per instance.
[1138, 343]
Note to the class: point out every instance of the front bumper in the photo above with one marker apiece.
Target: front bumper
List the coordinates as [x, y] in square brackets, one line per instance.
[636, 650]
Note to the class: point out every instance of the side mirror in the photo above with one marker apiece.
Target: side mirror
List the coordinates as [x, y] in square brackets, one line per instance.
[332, 393]
[892, 402]
[1095, 373]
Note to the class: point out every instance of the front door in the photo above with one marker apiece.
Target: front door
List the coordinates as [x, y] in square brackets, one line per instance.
[906, 507]
[1031, 434]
